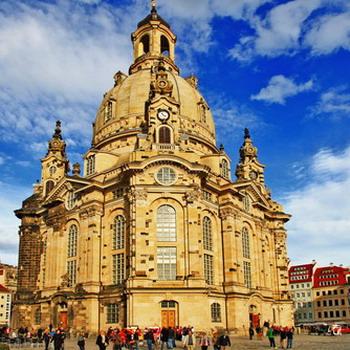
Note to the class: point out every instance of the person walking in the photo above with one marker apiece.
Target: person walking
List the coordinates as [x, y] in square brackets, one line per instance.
[290, 334]
[283, 337]
[251, 332]
[81, 341]
[46, 338]
[189, 341]
[101, 341]
[271, 336]
[171, 338]
[164, 334]
[58, 340]
[224, 341]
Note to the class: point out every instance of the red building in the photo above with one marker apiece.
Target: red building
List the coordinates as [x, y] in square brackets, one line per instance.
[330, 276]
[301, 273]
[331, 294]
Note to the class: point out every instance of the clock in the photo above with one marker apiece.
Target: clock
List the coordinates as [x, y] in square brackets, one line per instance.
[163, 114]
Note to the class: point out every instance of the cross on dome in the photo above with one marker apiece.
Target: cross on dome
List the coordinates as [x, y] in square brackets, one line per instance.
[153, 4]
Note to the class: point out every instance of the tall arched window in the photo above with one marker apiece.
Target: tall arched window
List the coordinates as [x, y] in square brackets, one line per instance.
[144, 44]
[245, 243]
[224, 169]
[215, 309]
[207, 234]
[49, 186]
[72, 255]
[166, 224]
[164, 134]
[164, 46]
[108, 111]
[72, 241]
[119, 232]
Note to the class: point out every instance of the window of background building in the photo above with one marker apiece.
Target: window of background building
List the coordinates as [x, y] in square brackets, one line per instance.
[166, 263]
[336, 302]
[344, 313]
[118, 269]
[330, 302]
[318, 303]
[320, 315]
[112, 313]
[325, 314]
[337, 313]
[215, 309]
[343, 301]
[331, 314]
[342, 291]
[166, 224]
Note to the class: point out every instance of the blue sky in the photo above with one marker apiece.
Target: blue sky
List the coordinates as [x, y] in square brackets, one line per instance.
[280, 68]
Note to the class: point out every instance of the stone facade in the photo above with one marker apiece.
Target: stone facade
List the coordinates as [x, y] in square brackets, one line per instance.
[155, 232]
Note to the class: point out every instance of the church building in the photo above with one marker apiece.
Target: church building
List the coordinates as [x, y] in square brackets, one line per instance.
[153, 231]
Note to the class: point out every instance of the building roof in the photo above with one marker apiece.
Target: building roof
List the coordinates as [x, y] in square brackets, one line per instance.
[301, 273]
[3, 289]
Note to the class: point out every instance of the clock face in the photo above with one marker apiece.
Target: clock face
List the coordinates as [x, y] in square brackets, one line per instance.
[163, 114]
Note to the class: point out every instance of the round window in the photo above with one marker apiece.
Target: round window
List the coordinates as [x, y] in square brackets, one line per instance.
[166, 176]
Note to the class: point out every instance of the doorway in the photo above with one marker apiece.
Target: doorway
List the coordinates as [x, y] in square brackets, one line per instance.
[168, 313]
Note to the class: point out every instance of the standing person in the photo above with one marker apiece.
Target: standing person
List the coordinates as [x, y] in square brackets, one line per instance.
[290, 333]
[101, 341]
[271, 336]
[58, 340]
[189, 341]
[46, 338]
[204, 341]
[171, 338]
[251, 332]
[283, 337]
[163, 337]
[224, 341]
[149, 337]
[81, 341]
[266, 326]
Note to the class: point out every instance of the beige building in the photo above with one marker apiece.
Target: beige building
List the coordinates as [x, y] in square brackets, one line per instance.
[5, 306]
[8, 277]
[155, 232]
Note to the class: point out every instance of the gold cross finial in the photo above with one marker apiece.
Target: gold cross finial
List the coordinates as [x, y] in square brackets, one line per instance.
[154, 3]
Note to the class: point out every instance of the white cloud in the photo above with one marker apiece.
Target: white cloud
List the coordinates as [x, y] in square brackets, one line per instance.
[320, 226]
[278, 33]
[280, 88]
[334, 102]
[11, 198]
[329, 33]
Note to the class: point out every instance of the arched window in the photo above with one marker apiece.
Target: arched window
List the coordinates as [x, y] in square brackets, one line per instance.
[144, 44]
[72, 241]
[108, 111]
[49, 186]
[164, 46]
[166, 224]
[215, 309]
[224, 169]
[119, 232]
[207, 234]
[245, 243]
[164, 134]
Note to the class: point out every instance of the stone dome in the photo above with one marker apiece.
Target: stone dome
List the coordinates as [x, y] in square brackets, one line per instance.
[123, 109]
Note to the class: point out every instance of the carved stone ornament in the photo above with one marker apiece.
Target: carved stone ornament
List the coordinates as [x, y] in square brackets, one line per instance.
[227, 212]
[65, 280]
[137, 195]
[161, 85]
[193, 195]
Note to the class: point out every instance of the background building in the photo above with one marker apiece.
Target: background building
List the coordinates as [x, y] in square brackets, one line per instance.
[5, 306]
[300, 286]
[155, 232]
[331, 294]
[8, 277]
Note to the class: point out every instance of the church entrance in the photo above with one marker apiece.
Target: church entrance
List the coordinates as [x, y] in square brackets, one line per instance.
[63, 319]
[168, 313]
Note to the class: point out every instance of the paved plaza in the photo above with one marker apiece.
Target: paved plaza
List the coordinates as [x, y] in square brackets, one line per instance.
[304, 342]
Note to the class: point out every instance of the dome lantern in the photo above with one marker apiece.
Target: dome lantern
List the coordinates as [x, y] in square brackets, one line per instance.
[153, 41]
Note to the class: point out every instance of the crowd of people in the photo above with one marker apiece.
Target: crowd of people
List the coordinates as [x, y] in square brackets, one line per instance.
[285, 335]
[152, 338]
